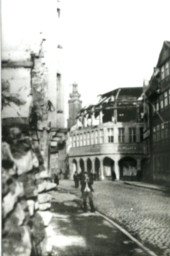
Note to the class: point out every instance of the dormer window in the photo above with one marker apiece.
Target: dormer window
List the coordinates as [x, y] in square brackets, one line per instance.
[165, 70]
[162, 73]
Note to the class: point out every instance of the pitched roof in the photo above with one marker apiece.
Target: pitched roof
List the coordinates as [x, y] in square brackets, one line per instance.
[164, 55]
[124, 91]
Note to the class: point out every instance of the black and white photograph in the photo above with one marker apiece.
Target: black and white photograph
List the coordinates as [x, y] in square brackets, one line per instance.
[85, 127]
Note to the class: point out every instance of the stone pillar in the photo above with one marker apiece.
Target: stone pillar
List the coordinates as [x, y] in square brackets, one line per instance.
[117, 171]
[78, 165]
[126, 134]
[93, 165]
[137, 134]
[101, 170]
[92, 118]
[115, 115]
[115, 134]
[85, 165]
[105, 135]
[100, 116]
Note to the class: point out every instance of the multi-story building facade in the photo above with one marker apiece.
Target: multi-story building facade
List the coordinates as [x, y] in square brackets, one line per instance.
[157, 119]
[107, 139]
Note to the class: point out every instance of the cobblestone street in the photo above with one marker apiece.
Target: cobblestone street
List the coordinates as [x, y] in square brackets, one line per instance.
[145, 213]
[71, 232]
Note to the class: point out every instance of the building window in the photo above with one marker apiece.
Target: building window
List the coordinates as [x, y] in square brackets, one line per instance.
[88, 138]
[165, 99]
[101, 136]
[154, 108]
[162, 131]
[96, 137]
[157, 106]
[161, 102]
[110, 135]
[81, 139]
[85, 139]
[154, 134]
[77, 140]
[95, 141]
[162, 72]
[166, 131]
[92, 137]
[167, 69]
[141, 133]
[158, 133]
[132, 134]
[121, 135]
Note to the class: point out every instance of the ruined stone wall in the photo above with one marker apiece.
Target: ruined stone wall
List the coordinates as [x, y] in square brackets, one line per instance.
[18, 82]
[25, 197]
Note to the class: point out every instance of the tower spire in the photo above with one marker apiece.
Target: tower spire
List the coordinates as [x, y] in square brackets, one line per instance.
[75, 104]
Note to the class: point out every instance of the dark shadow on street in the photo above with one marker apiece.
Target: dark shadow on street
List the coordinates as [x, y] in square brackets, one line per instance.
[100, 238]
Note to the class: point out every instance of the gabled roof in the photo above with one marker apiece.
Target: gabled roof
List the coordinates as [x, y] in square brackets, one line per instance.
[164, 54]
[124, 91]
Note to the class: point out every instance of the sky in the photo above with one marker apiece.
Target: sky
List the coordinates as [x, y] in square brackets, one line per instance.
[106, 44]
[112, 43]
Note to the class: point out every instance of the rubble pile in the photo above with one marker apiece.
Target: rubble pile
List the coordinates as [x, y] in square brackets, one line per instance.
[25, 197]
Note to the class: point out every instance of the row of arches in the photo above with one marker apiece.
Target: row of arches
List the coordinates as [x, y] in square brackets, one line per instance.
[126, 168]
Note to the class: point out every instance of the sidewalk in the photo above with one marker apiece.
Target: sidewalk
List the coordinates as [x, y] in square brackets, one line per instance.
[148, 186]
[71, 232]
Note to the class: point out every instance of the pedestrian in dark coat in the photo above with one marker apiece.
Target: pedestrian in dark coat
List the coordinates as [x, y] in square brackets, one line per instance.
[87, 189]
[56, 178]
[76, 179]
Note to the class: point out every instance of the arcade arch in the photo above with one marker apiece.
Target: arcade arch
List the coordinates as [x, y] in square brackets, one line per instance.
[82, 165]
[89, 165]
[108, 168]
[128, 168]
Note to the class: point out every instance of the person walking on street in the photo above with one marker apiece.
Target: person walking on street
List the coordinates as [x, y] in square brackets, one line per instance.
[56, 179]
[87, 189]
[76, 179]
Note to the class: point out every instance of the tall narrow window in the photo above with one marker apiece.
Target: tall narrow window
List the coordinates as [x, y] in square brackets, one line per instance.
[157, 106]
[154, 134]
[158, 132]
[161, 102]
[132, 135]
[167, 69]
[59, 94]
[84, 139]
[79, 136]
[162, 131]
[162, 72]
[110, 135]
[76, 136]
[165, 99]
[88, 138]
[121, 135]
[92, 137]
[141, 133]
[96, 137]
[101, 136]
[166, 131]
